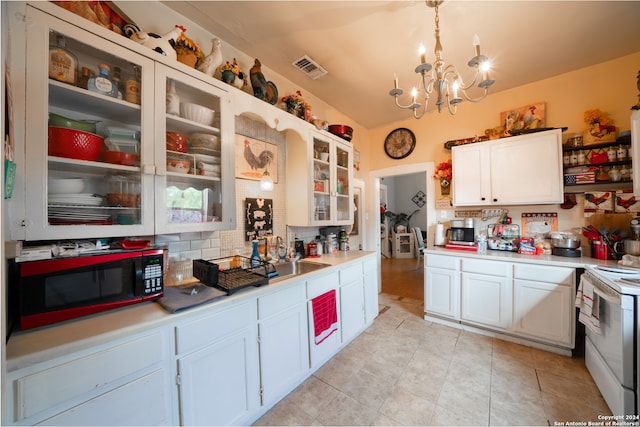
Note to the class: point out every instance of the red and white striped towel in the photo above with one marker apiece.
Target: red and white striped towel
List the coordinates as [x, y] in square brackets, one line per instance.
[325, 315]
[589, 304]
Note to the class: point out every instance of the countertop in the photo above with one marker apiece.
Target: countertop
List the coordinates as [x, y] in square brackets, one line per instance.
[553, 260]
[26, 348]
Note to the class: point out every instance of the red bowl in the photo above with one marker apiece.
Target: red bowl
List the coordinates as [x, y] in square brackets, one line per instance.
[121, 158]
[176, 142]
[343, 131]
[74, 144]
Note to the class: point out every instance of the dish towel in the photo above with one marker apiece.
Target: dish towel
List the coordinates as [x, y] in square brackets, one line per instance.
[589, 304]
[325, 315]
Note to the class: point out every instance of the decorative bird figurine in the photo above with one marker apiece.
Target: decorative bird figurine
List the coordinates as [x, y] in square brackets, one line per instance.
[262, 89]
[210, 63]
[161, 44]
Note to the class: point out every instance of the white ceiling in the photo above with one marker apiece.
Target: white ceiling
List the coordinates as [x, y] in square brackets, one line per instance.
[362, 44]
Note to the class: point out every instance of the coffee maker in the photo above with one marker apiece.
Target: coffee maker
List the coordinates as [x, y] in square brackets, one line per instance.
[462, 231]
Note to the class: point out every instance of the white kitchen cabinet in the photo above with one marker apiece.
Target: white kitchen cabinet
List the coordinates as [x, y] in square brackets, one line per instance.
[320, 173]
[218, 367]
[284, 341]
[442, 286]
[126, 382]
[352, 310]
[73, 216]
[117, 200]
[371, 288]
[635, 147]
[544, 303]
[321, 352]
[402, 245]
[519, 170]
[193, 201]
[486, 292]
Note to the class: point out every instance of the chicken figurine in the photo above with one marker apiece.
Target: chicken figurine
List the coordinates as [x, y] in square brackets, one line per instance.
[210, 63]
[162, 44]
[262, 89]
[261, 161]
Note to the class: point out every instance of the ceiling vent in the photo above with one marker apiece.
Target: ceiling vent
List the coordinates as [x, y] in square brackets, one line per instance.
[310, 67]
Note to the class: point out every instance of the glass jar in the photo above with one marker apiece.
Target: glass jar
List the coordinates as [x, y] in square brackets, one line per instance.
[621, 153]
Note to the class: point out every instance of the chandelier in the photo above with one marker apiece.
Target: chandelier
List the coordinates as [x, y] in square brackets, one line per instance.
[445, 79]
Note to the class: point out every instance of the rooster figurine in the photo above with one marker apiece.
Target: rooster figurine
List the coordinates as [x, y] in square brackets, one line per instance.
[262, 89]
[210, 63]
[261, 161]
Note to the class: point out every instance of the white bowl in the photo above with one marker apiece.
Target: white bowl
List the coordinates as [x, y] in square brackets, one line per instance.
[66, 185]
[180, 166]
[197, 113]
[204, 140]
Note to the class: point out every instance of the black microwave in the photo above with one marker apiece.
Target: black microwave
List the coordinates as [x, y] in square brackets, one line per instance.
[54, 290]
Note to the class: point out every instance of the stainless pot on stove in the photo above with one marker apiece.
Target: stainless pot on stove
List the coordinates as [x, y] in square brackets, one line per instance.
[629, 246]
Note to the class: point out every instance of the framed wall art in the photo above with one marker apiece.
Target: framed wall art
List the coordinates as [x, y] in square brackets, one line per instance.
[258, 218]
[255, 159]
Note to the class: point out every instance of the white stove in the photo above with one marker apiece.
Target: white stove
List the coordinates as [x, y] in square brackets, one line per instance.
[611, 352]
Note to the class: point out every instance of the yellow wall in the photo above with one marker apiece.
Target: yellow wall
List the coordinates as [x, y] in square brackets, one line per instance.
[610, 86]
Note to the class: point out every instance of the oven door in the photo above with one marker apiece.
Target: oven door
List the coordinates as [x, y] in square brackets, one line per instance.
[609, 357]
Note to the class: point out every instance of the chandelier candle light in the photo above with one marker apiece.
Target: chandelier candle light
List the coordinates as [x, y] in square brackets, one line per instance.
[445, 79]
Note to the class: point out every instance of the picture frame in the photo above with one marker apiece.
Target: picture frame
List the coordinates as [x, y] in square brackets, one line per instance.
[530, 116]
[255, 159]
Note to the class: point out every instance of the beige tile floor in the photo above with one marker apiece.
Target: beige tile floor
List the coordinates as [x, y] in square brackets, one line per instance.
[404, 370]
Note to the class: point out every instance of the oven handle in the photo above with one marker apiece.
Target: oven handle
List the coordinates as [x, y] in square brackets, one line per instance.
[614, 299]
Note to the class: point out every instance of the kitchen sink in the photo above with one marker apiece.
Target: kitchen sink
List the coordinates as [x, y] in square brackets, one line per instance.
[296, 268]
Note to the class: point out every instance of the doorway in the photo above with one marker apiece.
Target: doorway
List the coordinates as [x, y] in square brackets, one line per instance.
[403, 277]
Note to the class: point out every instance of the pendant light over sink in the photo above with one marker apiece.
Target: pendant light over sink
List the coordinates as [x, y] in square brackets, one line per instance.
[444, 79]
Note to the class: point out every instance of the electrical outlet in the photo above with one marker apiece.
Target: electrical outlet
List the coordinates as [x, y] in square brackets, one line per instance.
[443, 214]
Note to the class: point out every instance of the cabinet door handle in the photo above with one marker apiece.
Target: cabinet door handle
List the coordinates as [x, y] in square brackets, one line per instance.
[483, 198]
[495, 200]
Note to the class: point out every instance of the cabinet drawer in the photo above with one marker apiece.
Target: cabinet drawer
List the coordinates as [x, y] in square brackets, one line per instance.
[538, 273]
[322, 284]
[443, 261]
[351, 274]
[494, 268]
[280, 301]
[205, 330]
[77, 377]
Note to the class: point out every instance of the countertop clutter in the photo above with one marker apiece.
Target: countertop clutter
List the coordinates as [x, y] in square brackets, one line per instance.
[38, 345]
[556, 260]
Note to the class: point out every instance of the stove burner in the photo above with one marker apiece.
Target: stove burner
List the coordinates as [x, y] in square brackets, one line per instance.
[568, 252]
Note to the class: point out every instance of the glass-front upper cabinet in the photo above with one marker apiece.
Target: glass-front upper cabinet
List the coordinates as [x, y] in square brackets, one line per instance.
[332, 176]
[89, 135]
[194, 154]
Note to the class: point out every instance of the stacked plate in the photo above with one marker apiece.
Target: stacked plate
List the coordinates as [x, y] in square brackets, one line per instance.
[208, 165]
[80, 199]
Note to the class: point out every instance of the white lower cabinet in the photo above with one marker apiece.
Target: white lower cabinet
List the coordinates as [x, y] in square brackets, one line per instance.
[284, 341]
[351, 301]
[543, 303]
[323, 350]
[370, 266]
[126, 382]
[486, 289]
[442, 286]
[531, 301]
[219, 380]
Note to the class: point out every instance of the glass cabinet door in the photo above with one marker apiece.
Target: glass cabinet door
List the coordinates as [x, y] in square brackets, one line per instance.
[332, 174]
[323, 183]
[344, 205]
[87, 142]
[194, 155]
